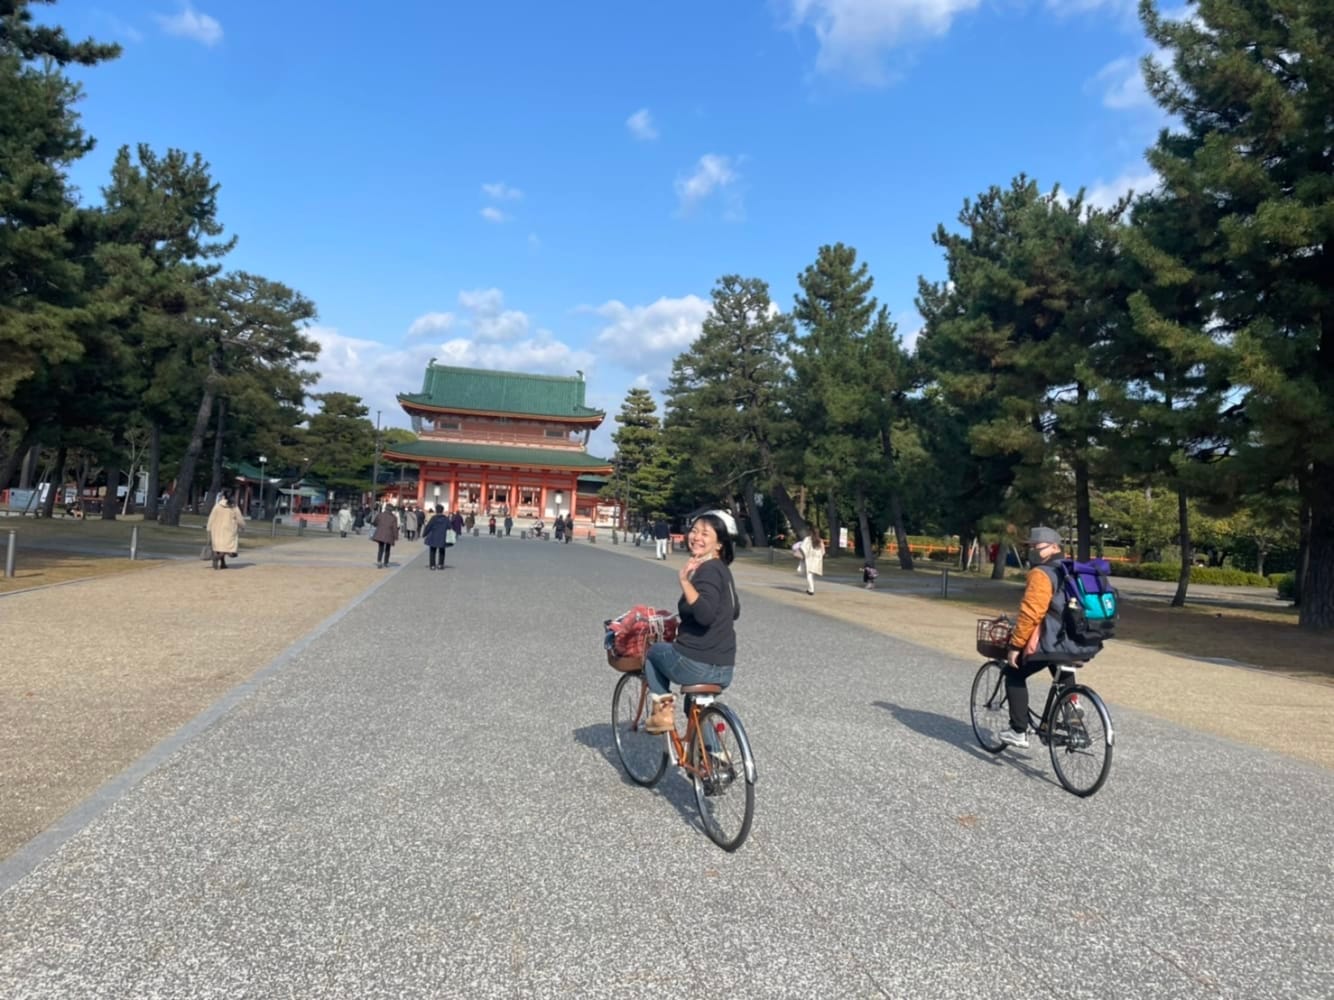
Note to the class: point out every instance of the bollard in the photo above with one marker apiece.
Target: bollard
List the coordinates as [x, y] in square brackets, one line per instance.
[613, 537]
[134, 543]
[945, 581]
[300, 527]
[10, 552]
[771, 555]
[273, 528]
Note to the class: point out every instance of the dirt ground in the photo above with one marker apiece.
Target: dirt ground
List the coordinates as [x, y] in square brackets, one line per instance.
[97, 672]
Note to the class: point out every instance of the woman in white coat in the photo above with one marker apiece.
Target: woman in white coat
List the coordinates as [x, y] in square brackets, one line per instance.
[810, 550]
[225, 524]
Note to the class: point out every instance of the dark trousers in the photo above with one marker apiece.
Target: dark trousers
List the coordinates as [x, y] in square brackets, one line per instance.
[383, 555]
[440, 549]
[1016, 689]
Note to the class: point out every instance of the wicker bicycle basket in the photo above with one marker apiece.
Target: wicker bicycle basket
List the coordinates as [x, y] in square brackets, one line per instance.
[993, 637]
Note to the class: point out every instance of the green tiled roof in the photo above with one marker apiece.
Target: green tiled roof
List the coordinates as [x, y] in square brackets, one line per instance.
[494, 454]
[501, 392]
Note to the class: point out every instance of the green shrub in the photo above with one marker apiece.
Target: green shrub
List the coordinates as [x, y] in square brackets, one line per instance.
[1286, 584]
[1223, 576]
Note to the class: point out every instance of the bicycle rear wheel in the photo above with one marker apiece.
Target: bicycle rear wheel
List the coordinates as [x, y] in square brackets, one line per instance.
[1080, 739]
[643, 755]
[988, 708]
[726, 794]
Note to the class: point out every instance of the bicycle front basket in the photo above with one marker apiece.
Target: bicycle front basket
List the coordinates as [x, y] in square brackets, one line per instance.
[993, 637]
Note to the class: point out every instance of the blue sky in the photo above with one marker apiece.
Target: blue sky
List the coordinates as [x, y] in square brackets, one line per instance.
[556, 187]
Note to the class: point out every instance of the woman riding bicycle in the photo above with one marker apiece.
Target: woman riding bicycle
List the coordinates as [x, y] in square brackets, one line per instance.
[705, 648]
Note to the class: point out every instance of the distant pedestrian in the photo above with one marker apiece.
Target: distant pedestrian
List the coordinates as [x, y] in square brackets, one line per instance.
[359, 521]
[569, 527]
[491, 526]
[344, 522]
[810, 550]
[421, 518]
[385, 535]
[225, 525]
[436, 535]
[456, 522]
[662, 535]
[509, 524]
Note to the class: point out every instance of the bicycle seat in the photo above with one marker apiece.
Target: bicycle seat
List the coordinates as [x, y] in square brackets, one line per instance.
[701, 689]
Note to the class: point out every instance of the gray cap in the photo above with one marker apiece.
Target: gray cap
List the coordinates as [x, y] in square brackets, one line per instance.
[1041, 536]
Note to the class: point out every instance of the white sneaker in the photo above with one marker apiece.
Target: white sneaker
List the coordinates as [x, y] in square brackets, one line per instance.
[1014, 739]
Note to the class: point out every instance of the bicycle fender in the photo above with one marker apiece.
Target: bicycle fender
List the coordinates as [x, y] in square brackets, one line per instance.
[748, 758]
[1087, 692]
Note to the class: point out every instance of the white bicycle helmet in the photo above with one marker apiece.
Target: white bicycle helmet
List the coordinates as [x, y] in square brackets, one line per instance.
[729, 522]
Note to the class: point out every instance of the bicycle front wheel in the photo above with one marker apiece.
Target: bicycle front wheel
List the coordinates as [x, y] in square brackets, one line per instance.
[643, 755]
[724, 777]
[1080, 740]
[989, 710]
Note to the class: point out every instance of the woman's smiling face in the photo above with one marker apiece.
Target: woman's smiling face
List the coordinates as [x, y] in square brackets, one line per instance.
[703, 540]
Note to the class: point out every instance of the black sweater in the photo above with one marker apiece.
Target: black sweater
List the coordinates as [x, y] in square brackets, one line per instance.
[705, 634]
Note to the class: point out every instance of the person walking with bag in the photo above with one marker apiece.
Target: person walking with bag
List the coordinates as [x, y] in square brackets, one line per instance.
[662, 534]
[385, 535]
[344, 522]
[225, 525]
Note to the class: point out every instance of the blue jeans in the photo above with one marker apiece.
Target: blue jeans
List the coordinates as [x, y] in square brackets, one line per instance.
[664, 665]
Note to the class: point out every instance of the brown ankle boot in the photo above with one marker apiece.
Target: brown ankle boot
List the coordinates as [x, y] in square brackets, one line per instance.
[663, 719]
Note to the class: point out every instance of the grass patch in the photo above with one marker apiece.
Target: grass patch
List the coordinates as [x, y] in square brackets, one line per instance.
[39, 568]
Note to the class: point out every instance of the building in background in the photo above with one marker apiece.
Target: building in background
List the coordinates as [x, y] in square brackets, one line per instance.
[497, 443]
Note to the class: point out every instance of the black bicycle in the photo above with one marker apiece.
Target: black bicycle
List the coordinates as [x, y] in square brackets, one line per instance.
[1074, 724]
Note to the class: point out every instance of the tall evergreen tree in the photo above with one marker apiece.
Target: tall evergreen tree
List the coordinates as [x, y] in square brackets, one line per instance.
[42, 285]
[724, 424]
[638, 442]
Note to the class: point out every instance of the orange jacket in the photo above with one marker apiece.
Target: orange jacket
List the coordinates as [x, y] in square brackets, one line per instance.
[1033, 607]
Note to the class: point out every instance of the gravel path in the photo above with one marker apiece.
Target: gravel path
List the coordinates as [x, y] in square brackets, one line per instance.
[423, 801]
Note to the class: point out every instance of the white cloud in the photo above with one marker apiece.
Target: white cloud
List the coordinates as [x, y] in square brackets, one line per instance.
[1141, 181]
[501, 191]
[192, 24]
[432, 323]
[1121, 84]
[663, 329]
[712, 173]
[855, 35]
[641, 125]
[488, 317]
[369, 369]
[540, 354]
[493, 214]
[533, 242]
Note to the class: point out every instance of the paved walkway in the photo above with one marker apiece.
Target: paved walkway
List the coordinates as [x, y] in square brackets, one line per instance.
[423, 801]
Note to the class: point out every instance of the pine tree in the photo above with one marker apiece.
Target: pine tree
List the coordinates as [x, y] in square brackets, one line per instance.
[637, 467]
[724, 426]
[42, 286]
[1251, 169]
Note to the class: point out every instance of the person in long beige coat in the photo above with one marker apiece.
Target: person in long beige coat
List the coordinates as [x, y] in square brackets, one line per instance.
[225, 525]
[810, 550]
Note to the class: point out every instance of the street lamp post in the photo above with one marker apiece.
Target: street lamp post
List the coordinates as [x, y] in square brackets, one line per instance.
[263, 460]
[375, 474]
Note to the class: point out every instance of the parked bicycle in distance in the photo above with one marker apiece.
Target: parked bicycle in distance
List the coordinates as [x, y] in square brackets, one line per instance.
[1074, 723]
[713, 750]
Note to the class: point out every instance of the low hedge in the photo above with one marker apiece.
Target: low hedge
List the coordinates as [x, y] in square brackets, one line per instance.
[1223, 576]
[1286, 584]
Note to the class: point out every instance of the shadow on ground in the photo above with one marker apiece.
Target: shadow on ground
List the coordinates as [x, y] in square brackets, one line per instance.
[671, 787]
[959, 734]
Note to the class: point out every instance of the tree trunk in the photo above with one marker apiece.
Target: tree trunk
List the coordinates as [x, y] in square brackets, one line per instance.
[187, 473]
[29, 471]
[215, 481]
[1002, 553]
[1317, 608]
[757, 533]
[113, 484]
[834, 523]
[1083, 511]
[57, 482]
[82, 479]
[1187, 556]
[1260, 553]
[154, 486]
[15, 457]
[789, 509]
[1303, 548]
[900, 534]
[864, 527]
